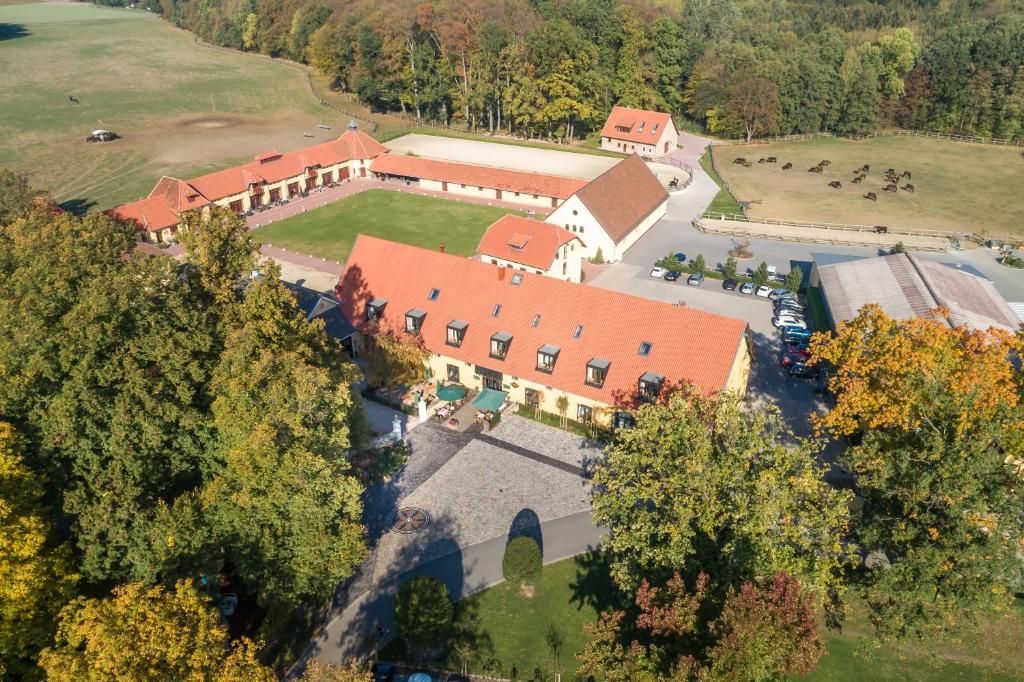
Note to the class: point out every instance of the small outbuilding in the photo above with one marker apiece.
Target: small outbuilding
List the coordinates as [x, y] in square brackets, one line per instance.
[647, 133]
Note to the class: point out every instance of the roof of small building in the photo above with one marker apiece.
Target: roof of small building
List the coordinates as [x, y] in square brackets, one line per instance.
[150, 215]
[906, 286]
[525, 241]
[474, 175]
[641, 126]
[685, 345]
[622, 196]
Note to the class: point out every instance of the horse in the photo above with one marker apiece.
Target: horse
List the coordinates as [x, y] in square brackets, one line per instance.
[761, 160]
[871, 196]
[908, 188]
[906, 174]
[835, 184]
[890, 188]
[739, 160]
[771, 159]
[814, 169]
[787, 166]
[881, 229]
[747, 164]
[73, 100]
[857, 180]
[824, 162]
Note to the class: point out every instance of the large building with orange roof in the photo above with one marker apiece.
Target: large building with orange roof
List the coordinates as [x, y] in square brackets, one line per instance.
[269, 177]
[538, 338]
[647, 133]
[532, 246]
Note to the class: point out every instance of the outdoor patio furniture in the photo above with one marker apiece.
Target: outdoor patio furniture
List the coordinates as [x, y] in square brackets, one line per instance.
[452, 423]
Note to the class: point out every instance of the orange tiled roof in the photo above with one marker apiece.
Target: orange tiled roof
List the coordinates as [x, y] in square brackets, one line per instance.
[623, 196]
[642, 126]
[686, 345]
[149, 215]
[178, 195]
[524, 241]
[472, 175]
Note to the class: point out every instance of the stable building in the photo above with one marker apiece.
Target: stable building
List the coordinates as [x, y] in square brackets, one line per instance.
[647, 133]
[532, 246]
[480, 182]
[536, 338]
[905, 286]
[614, 210]
[270, 177]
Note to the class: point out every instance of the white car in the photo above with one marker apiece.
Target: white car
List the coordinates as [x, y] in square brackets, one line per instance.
[658, 272]
[789, 321]
[763, 292]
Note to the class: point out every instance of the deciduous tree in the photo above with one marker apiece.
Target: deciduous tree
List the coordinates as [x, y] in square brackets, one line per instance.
[754, 104]
[423, 610]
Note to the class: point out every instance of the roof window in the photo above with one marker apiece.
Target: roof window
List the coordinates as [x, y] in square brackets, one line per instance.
[456, 332]
[649, 386]
[497, 310]
[579, 330]
[536, 321]
[517, 279]
[434, 293]
[645, 348]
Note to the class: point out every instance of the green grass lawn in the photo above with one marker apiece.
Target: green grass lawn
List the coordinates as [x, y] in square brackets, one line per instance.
[330, 231]
[508, 629]
[724, 202]
[816, 309]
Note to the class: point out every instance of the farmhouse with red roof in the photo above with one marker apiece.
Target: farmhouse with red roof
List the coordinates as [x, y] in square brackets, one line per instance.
[537, 338]
[647, 133]
[532, 246]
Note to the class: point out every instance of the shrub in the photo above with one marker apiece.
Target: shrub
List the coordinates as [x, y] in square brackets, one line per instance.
[794, 279]
[698, 265]
[522, 562]
[598, 258]
[423, 610]
[898, 248]
[729, 269]
[670, 263]
[761, 275]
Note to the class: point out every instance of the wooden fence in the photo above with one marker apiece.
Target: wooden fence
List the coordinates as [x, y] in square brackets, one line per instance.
[682, 165]
[896, 132]
[846, 227]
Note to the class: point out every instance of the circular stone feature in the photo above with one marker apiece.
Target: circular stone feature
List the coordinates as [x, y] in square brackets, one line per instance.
[410, 520]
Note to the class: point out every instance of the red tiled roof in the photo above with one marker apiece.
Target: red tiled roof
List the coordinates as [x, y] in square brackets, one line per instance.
[477, 176]
[622, 196]
[179, 195]
[149, 215]
[642, 126]
[524, 241]
[687, 345]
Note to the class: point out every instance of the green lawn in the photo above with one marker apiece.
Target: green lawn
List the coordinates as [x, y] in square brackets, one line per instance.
[329, 232]
[724, 202]
[816, 308]
[507, 629]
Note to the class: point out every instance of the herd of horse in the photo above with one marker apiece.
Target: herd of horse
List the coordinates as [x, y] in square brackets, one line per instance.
[892, 179]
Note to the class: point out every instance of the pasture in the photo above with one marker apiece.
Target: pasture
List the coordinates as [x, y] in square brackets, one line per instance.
[958, 186]
[329, 231]
[181, 108]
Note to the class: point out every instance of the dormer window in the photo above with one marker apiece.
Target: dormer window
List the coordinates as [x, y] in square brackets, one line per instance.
[597, 370]
[456, 332]
[649, 386]
[414, 320]
[499, 345]
[375, 308]
[546, 356]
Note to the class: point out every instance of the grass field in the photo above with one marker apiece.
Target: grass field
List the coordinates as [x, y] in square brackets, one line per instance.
[329, 231]
[519, 631]
[959, 186]
[723, 201]
[182, 108]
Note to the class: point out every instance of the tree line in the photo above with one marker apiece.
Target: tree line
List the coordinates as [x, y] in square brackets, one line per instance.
[736, 68]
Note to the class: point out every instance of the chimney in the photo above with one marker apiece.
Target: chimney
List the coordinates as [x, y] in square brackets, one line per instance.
[501, 274]
[441, 248]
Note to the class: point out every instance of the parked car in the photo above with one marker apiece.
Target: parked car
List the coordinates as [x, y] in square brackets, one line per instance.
[776, 294]
[790, 309]
[789, 321]
[747, 288]
[794, 358]
[658, 272]
[802, 370]
[671, 275]
[794, 335]
[763, 291]
[730, 285]
[696, 279]
[797, 347]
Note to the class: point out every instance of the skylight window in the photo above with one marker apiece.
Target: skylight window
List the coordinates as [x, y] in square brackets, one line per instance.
[434, 293]
[536, 321]
[497, 310]
[645, 348]
[579, 330]
[517, 279]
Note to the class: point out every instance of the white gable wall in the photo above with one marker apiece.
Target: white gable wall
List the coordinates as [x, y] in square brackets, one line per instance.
[665, 143]
[566, 265]
[576, 218]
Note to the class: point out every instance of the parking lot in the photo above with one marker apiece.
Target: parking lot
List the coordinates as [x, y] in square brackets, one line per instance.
[769, 381]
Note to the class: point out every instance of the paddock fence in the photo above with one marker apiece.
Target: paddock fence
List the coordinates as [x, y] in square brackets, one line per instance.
[681, 165]
[846, 227]
[895, 132]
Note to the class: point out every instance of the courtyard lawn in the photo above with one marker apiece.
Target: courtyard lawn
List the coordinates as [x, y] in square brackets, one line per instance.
[181, 108]
[507, 629]
[329, 231]
[958, 186]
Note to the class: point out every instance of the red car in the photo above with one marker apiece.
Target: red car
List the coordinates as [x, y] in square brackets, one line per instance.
[794, 358]
[797, 348]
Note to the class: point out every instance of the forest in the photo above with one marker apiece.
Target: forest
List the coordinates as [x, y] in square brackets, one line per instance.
[554, 68]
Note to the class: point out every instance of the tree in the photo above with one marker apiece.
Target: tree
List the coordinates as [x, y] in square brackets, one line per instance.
[938, 415]
[670, 263]
[220, 249]
[697, 478]
[761, 275]
[17, 197]
[754, 105]
[794, 280]
[147, 633]
[897, 54]
[423, 610]
[522, 562]
[729, 269]
[353, 671]
[396, 358]
[598, 258]
[562, 405]
[698, 265]
[36, 575]
[897, 248]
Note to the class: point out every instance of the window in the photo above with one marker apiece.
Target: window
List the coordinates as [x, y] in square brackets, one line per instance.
[575, 212]
[536, 321]
[654, 129]
[546, 357]
[456, 332]
[581, 229]
[497, 310]
[499, 345]
[434, 293]
[565, 268]
[494, 261]
[579, 330]
[649, 386]
[375, 308]
[414, 320]
[584, 414]
[517, 279]
[645, 349]
[517, 193]
[597, 370]
[453, 373]
[539, 272]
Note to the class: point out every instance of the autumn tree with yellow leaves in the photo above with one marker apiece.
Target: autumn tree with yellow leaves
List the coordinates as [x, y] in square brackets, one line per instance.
[934, 417]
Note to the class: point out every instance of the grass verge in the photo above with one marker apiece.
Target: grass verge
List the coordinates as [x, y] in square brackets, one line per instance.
[816, 309]
[724, 202]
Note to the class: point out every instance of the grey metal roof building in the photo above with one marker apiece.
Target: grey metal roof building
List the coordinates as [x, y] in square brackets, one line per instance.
[906, 286]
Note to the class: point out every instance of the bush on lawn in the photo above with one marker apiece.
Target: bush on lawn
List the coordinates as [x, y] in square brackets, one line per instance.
[522, 563]
[423, 610]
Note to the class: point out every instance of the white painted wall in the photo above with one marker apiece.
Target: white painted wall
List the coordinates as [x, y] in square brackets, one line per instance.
[668, 136]
[566, 266]
[574, 216]
[488, 193]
